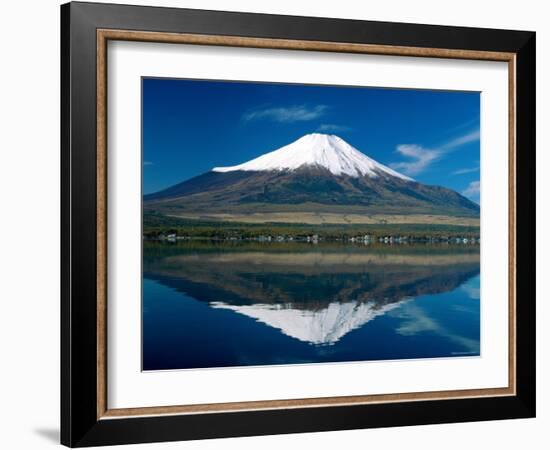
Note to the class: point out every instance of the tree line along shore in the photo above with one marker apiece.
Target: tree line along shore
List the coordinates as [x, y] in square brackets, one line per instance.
[157, 227]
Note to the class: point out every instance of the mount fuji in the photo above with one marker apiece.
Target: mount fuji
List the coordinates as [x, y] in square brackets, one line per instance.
[315, 174]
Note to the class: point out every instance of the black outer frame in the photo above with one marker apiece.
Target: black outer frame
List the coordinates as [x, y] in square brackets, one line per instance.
[79, 423]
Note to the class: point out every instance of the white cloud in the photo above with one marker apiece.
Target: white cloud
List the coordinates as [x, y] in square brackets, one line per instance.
[331, 127]
[461, 140]
[419, 158]
[474, 121]
[472, 190]
[466, 170]
[415, 321]
[296, 113]
[471, 291]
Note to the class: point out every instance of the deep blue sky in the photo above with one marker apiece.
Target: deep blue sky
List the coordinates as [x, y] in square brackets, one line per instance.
[191, 126]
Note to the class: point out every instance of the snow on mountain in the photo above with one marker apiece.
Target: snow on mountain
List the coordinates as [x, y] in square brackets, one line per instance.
[320, 150]
[321, 327]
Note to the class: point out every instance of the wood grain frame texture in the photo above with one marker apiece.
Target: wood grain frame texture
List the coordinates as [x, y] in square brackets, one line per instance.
[103, 36]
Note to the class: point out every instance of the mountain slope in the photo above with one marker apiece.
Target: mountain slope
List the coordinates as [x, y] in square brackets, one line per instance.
[316, 173]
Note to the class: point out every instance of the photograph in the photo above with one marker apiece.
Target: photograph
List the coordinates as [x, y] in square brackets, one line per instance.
[292, 224]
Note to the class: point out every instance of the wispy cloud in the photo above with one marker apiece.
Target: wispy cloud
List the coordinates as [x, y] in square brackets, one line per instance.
[420, 158]
[474, 121]
[334, 128]
[461, 140]
[471, 291]
[466, 170]
[147, 163]
[472, 190]
[415, 321]
[295, 113]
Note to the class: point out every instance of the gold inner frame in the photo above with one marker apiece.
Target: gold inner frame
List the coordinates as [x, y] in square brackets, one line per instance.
[104, 35]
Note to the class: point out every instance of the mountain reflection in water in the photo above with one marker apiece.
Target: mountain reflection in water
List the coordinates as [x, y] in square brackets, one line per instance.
[215, 304]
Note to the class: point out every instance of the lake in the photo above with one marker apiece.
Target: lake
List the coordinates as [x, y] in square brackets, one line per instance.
[224, 304]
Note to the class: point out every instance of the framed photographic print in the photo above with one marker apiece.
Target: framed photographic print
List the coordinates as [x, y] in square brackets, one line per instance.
[276, 224]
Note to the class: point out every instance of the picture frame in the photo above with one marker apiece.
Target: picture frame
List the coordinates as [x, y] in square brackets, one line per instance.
[86, 418]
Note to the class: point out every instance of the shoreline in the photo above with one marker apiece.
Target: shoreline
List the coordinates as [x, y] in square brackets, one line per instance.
[387, 240]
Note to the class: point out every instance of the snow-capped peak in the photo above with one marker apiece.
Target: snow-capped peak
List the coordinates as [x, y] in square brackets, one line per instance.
[320, 150]
[322, 327]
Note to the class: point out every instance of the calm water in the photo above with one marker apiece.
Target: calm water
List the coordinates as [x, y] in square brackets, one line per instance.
[208, 304]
